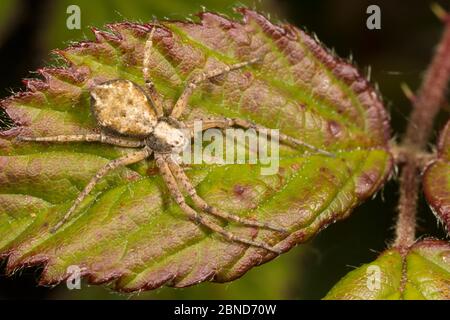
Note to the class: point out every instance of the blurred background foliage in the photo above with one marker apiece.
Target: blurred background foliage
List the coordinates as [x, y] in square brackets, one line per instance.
[398, 53]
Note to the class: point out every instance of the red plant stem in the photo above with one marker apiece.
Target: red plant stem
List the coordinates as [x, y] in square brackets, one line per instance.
[426, 105]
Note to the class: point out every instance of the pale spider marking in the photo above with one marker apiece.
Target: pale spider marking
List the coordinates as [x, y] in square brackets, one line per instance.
[131, 116]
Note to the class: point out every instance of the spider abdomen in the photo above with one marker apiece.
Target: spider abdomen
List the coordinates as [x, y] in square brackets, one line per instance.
[122, 106]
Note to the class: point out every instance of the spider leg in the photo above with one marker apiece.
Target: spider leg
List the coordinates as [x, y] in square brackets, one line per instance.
[153, 95]
[182, 101]
[193, 215]
[179, 174]
[123, 161]
[93, 137]
[224, 123]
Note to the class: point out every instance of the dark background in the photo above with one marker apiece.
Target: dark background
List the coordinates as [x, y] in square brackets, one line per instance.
[396, 54]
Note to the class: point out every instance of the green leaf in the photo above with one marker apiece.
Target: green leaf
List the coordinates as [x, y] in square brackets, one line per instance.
[436, 180]
[129, 231]
[421, 273]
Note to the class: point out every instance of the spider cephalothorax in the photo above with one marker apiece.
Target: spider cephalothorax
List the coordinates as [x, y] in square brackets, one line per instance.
[168, 136]
[131, 116]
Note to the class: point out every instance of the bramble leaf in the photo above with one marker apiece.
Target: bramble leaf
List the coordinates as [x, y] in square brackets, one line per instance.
[421, 273]
[436, 180]
[129, 231]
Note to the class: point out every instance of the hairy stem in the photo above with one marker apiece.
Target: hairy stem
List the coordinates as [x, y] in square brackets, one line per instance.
[426, 105]
[401, 154]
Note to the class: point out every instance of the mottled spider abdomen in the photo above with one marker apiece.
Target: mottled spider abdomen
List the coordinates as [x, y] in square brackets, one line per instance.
[123, 107]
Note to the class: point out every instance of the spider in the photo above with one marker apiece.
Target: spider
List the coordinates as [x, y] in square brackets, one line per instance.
[129, 115]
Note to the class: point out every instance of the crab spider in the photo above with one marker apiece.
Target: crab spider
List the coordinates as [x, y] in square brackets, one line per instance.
[132, 116]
